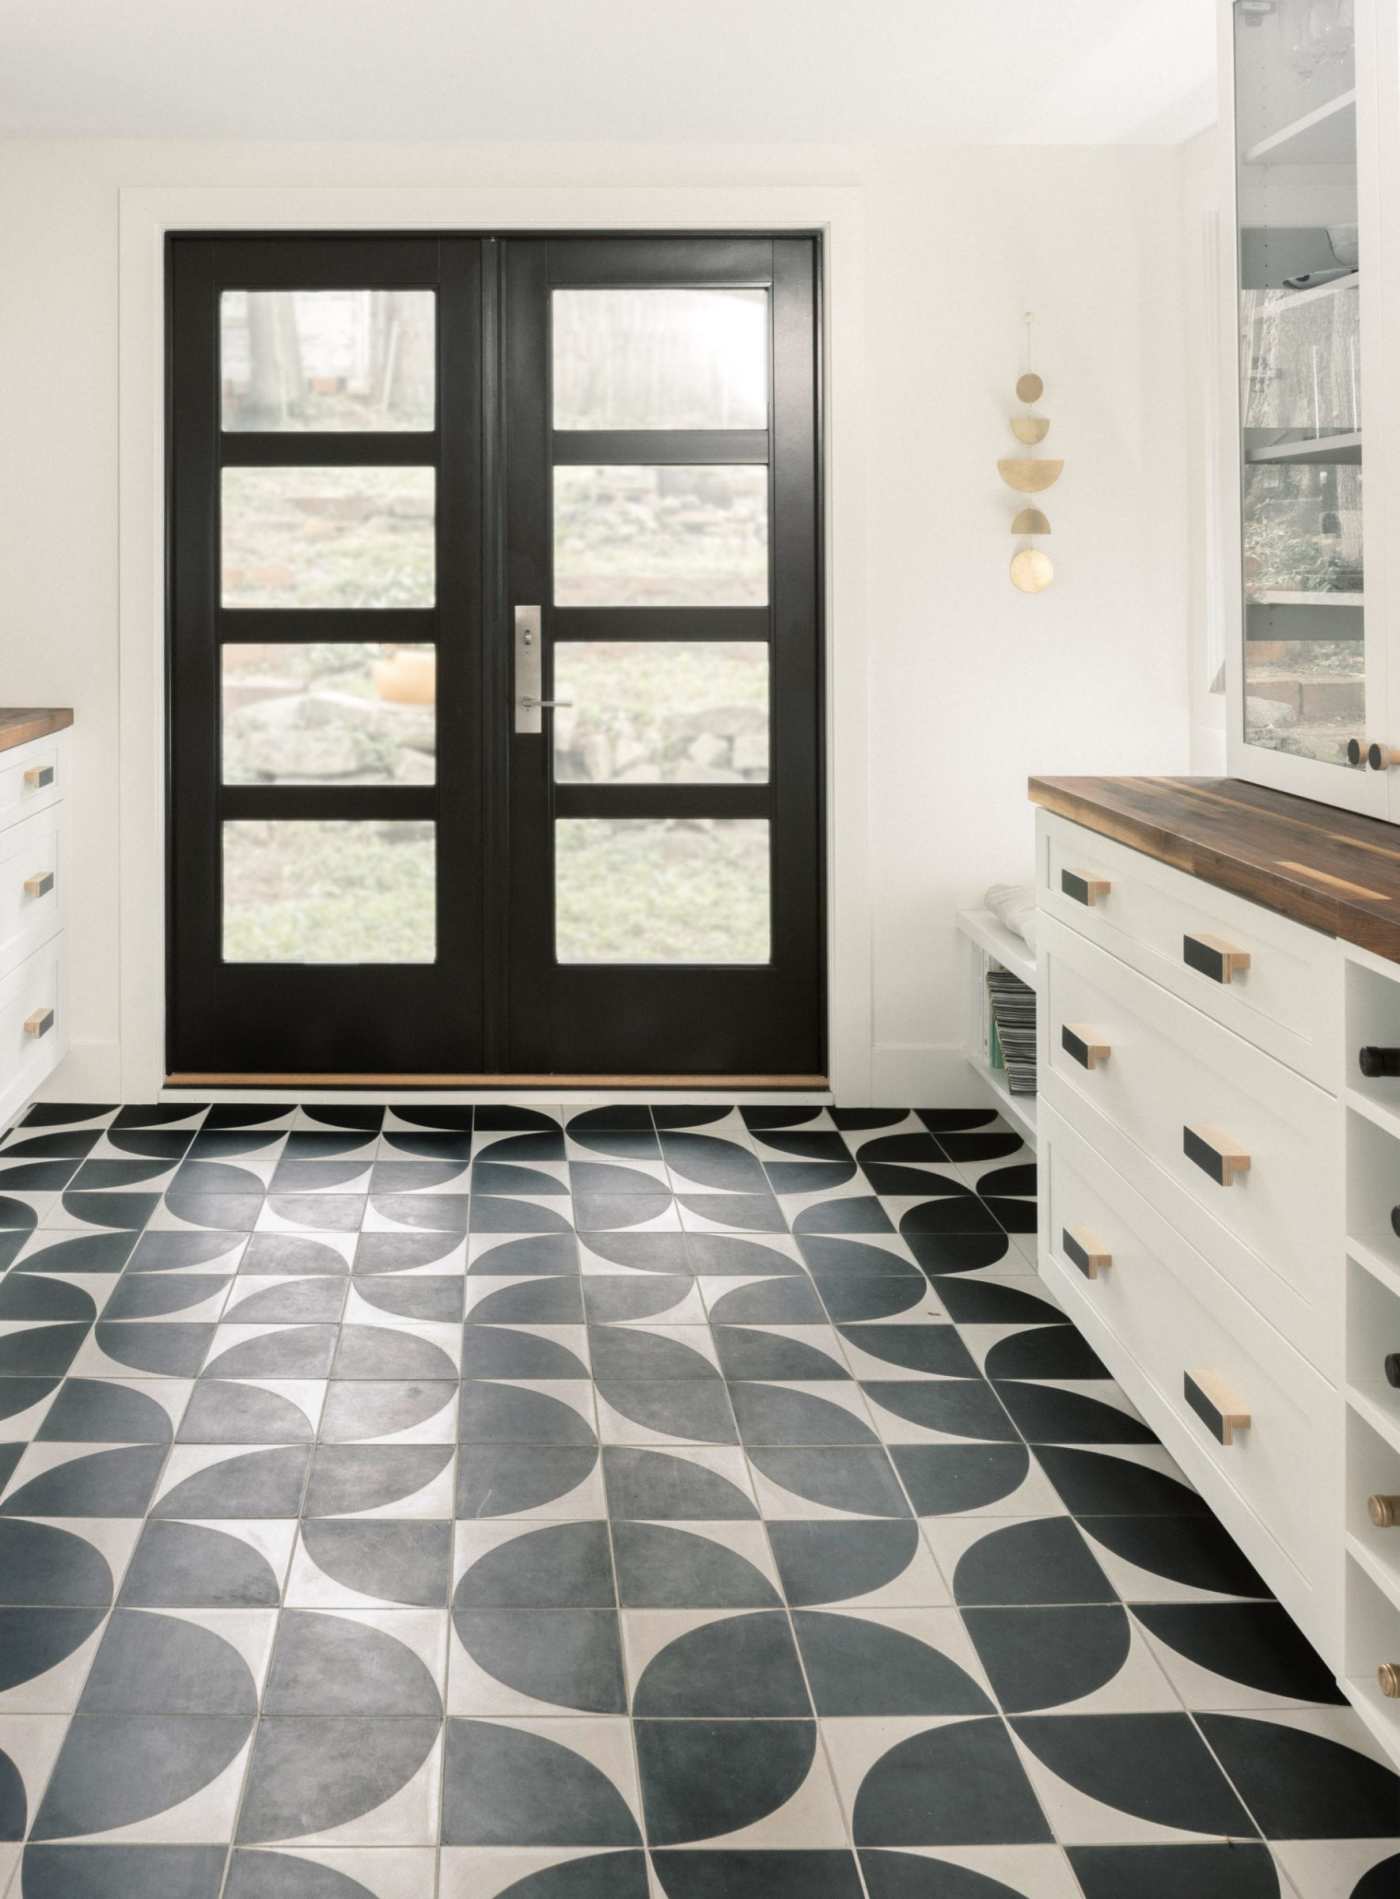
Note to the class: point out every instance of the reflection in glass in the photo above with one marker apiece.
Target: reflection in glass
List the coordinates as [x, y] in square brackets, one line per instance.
[329, 714]
[661, 890]
[660, 537]
[327, 359]
[644, 712]
[660, 359]
[328, 537]
[303, 891]
[1302, 364]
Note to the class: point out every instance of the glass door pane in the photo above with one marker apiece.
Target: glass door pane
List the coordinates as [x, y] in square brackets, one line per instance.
[1300, 379]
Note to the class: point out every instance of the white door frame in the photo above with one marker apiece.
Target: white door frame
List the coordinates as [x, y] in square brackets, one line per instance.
[148, 215]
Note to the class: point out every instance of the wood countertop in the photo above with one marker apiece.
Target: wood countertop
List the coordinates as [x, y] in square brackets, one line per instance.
[1326, 868]
[20, 724]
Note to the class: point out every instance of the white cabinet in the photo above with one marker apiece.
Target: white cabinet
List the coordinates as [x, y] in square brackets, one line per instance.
[1311, 99]
[1220, 1214]
[33, 892]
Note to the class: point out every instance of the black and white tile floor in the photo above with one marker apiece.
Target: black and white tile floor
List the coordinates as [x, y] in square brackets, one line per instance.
[610, 1504]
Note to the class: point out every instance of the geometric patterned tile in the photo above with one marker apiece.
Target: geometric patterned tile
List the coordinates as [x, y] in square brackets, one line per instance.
[630, 1502]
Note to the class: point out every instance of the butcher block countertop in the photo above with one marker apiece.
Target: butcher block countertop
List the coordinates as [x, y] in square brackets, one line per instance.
[20, 724]
[1327, 868]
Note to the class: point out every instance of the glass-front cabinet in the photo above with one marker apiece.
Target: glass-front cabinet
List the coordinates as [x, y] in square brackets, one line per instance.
[1308, 689]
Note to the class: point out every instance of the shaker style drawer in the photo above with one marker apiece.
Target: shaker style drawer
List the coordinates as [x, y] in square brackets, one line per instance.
[31, 886]
[1263, 1419]
[1272, 981]
[31, 1026]
[1240, 1153]
[31, 778]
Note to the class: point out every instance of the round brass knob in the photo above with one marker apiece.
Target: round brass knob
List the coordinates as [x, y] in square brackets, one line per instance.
[1388, 1679]
[1384, 1511]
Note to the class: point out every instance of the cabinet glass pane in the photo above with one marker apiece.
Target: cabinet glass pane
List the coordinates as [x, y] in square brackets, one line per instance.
[328, 537]
[299, 891]
[661, 890]
[644, 712]
[359, 714]
[660, 359]
[660, 537]
[1300, 380]
[327, 359]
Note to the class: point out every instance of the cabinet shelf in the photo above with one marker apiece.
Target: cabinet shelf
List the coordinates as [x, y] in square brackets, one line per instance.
[1316, 450]
[1019, 1110]
[1324, 136]
[1283, 305]
[1302, 597]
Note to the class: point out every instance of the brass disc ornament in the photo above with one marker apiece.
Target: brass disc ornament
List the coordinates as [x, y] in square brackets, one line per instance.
[1031, 570]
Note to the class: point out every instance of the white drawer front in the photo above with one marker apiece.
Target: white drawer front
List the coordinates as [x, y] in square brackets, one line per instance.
[31, 778]
[1190, 937]
[32, 1030]
[31, 886]
[1243, 1153]
[1178, 1320]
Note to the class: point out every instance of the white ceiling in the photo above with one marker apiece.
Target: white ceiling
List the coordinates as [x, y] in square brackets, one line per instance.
[752, 72]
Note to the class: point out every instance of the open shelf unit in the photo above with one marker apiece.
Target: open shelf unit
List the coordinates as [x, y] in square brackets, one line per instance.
[1371, 1292]
[987, 942]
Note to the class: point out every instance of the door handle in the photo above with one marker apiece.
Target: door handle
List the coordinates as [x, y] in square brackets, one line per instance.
[545, 704]
[529, 672]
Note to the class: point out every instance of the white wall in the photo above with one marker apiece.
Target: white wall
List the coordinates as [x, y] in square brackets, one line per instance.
[972, 685]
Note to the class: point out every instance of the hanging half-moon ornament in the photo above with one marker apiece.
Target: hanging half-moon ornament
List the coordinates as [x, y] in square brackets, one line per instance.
[1031, 521]
[1029, 475]
[1031, 570]
[1029, 387]
[1030, 429]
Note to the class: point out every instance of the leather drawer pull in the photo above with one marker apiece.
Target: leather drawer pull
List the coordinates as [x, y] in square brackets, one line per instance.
[1084, 1251]
[1083, 1045]
[38, 776]
[1084, 888]
[39, 885]
[1218, 1409]
[39, 1023]
[1212, 956]
[1215, 1154]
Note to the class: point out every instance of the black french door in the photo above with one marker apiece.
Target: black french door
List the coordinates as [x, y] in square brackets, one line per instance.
[494, 683]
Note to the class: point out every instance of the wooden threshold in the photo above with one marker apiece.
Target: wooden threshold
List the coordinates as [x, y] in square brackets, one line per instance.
[312, 1080]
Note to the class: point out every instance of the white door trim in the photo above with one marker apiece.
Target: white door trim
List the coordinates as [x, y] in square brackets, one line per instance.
[148, 215]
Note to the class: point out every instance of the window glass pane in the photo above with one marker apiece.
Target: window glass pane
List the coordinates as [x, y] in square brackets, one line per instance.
[661, 890]
[329, 714]
[328, 537]
[327, 359]
[660, 537]
[299, 891]
[660, 359]
[644, 712]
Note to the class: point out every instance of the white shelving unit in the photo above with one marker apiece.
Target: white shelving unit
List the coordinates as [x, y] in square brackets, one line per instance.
[987, 942]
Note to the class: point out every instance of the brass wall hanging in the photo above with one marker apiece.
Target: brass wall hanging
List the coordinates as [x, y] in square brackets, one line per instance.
[1031, 569]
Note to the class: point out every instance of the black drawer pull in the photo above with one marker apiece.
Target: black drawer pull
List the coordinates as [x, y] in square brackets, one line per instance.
[1083, 887]
[38, 776]
[1083, 1045]
[1218, 1409]
[1215, 1154]
[39, 885]
[1084, 1251]
[1212, 956]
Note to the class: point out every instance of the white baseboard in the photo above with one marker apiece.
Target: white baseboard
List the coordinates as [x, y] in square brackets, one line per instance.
[924, 1075]
[90, 1071]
